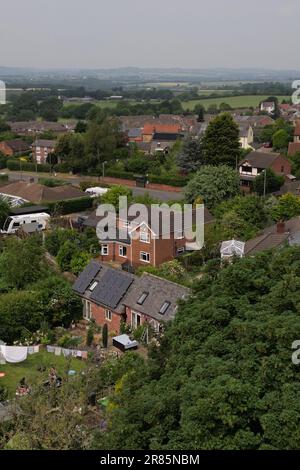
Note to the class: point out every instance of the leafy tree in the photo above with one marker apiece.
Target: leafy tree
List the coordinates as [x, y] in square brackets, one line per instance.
[213, 184]
[65, 254]
[19, 310]
[4, 212]
[60, 305]
[79, 261]
[269, 182]
[113, 194]
[80, 127]
[21, 262]
[281, 140]
[222, 377]
[221, 141]
[50, 108]
[250, 208]
[288, 206]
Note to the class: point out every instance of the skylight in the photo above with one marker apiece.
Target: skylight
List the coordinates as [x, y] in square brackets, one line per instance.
[92, 287]
[164, 308]
[143, 297]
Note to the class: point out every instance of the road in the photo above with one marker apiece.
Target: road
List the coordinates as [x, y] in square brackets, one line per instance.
[32, 176]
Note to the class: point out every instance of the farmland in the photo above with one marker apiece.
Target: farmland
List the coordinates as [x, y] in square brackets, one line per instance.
[246, 101]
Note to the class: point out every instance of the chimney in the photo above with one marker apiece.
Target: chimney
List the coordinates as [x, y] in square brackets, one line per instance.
[281, 226]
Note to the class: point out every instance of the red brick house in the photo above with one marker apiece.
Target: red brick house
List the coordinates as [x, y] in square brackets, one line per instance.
[14, 147]
[111, 296]
[41, 149]
[256, 162]
[144, 244]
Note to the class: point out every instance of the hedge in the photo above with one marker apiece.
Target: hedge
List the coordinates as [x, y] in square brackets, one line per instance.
[14, 165]
[68, 206]
[120, 174]
[174, 181]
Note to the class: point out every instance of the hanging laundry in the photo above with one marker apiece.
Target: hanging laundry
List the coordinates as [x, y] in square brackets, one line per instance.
[57, 351]
[50, 349]
[30, 349]
[66, 352]
[84, 354]
[36, 348]
[14, 354]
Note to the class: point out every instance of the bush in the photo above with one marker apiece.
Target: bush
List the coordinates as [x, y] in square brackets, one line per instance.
[89, 337]
[179, 181]
[68, 206]
[51, 182]
[14, 165]
[105, 335]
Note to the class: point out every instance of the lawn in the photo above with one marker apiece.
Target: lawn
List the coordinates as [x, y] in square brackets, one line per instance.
[233, 101]
[29, 369]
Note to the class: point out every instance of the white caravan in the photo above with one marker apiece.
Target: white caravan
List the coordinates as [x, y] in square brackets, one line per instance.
[28, 222]
[96, 191]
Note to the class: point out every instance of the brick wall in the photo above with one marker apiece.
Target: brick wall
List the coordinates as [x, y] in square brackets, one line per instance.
[98, 313]
[132, 184]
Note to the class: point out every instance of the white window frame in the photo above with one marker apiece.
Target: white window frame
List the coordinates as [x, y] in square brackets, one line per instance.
[87, 310]
[108, 314]
[147, 256]
[121, 248]
[147, 236]
[104, 250]
[180, 250]
[134, 316]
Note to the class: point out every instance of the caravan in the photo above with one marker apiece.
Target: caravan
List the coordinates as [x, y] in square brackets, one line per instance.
[28, 222]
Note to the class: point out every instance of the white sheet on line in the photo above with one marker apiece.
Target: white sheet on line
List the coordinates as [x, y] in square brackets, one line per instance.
[14, 354]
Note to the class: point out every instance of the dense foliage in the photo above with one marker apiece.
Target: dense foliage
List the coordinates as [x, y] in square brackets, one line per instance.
[223, 377]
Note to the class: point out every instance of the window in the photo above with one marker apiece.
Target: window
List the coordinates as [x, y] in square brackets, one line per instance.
[104, 250]
[142, 298]
[92, 287]
[282, 169]
[108, 315]
[135, 320]
[180, 250]
[179, 236]
[246, 169]
[16, 224]
[123, 251]
[87, 310]
[144, 257]
[164, 308]
[145, 237]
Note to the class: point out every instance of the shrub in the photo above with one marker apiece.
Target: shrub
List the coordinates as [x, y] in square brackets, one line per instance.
[68, 206]
[105, 335]
[89, 337]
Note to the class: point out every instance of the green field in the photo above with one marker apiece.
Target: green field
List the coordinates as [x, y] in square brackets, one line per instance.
[29, 369]
[233, 101]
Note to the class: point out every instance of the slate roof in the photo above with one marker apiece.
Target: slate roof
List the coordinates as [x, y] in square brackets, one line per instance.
[35, 192]
[265, 242]
[159, 291]
[116, 289]
[44, 143]
[18, 145]
[260, 159]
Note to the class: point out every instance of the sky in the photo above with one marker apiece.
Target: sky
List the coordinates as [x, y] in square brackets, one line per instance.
[156, 33]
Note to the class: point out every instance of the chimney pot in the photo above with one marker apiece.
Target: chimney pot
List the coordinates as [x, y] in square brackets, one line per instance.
[281, 227]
